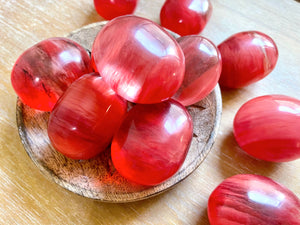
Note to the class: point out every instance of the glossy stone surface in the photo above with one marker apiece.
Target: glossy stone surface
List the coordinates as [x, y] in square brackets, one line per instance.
[203, 66]
[185, 17]
[152, 142]
[84, 120]
[109, 9]
[267, 127]
[141, 61]
[248, 199]
[247, 57]
[44, 71]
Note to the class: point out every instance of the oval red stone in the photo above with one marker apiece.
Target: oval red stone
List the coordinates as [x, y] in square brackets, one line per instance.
[185, 17]
[45, 71]
[139, 60]
[109, 9]
[203, 66]
[267, 127]
[252, 199]
[85, 118]
[247, 57]
[152, 142]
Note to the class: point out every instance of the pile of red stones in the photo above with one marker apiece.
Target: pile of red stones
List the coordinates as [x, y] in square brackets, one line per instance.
[136, 60]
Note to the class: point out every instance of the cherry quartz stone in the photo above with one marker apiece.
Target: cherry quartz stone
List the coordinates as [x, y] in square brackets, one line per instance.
[139, 60]
[247, 57]
[152, 142]
[44, 71]
[185, 17]
[248, 199]
[109, 9]
[203, 66]
[267, 127]
[84, 120]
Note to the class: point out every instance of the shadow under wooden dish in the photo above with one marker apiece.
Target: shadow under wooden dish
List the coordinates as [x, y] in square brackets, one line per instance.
[97, 178]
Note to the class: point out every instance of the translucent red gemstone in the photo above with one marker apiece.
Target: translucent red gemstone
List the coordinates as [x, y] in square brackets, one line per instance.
[247, 57]
[109, 9]
[252, 199]
[85, 118]
[138, 59]
[267, 128]
[152, 142]
[203, 66]
[44, 71]
[185, 17]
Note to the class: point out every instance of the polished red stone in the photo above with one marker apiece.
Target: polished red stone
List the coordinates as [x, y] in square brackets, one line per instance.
[139, 60]
[44, 71]
[203, 66]
[84, 120]
[109, 9]
[185, 17]
[152, 142]
[252, 200]
[247, 57]
[267, 128]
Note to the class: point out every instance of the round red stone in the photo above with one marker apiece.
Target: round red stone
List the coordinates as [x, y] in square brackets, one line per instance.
[44, 71]
[152, 142]
[203, 66]
[139, 60]
[252, 199]
[85, 118]
[267, 128]
[109, 9]
[185, 17]
[247, 57]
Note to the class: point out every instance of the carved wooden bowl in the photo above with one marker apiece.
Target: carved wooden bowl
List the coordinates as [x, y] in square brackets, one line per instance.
[97, 178]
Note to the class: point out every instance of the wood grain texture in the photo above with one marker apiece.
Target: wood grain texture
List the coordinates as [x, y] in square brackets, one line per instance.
[27, 197]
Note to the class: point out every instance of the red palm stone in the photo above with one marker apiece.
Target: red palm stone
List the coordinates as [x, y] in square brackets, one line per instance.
[203, 66]
[85, 118]
[109, 9]
[248, 199]
[247, 57]
[44, 71]
[185, 17]
[267, 128]
[138, 59]
[152, 142]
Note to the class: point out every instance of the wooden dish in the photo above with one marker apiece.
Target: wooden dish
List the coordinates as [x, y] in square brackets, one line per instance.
[97, 178]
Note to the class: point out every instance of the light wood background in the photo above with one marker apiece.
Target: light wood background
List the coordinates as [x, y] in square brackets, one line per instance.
[27, 197]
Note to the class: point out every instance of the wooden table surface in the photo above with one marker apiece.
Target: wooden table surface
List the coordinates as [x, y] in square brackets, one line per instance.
[27, 197]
